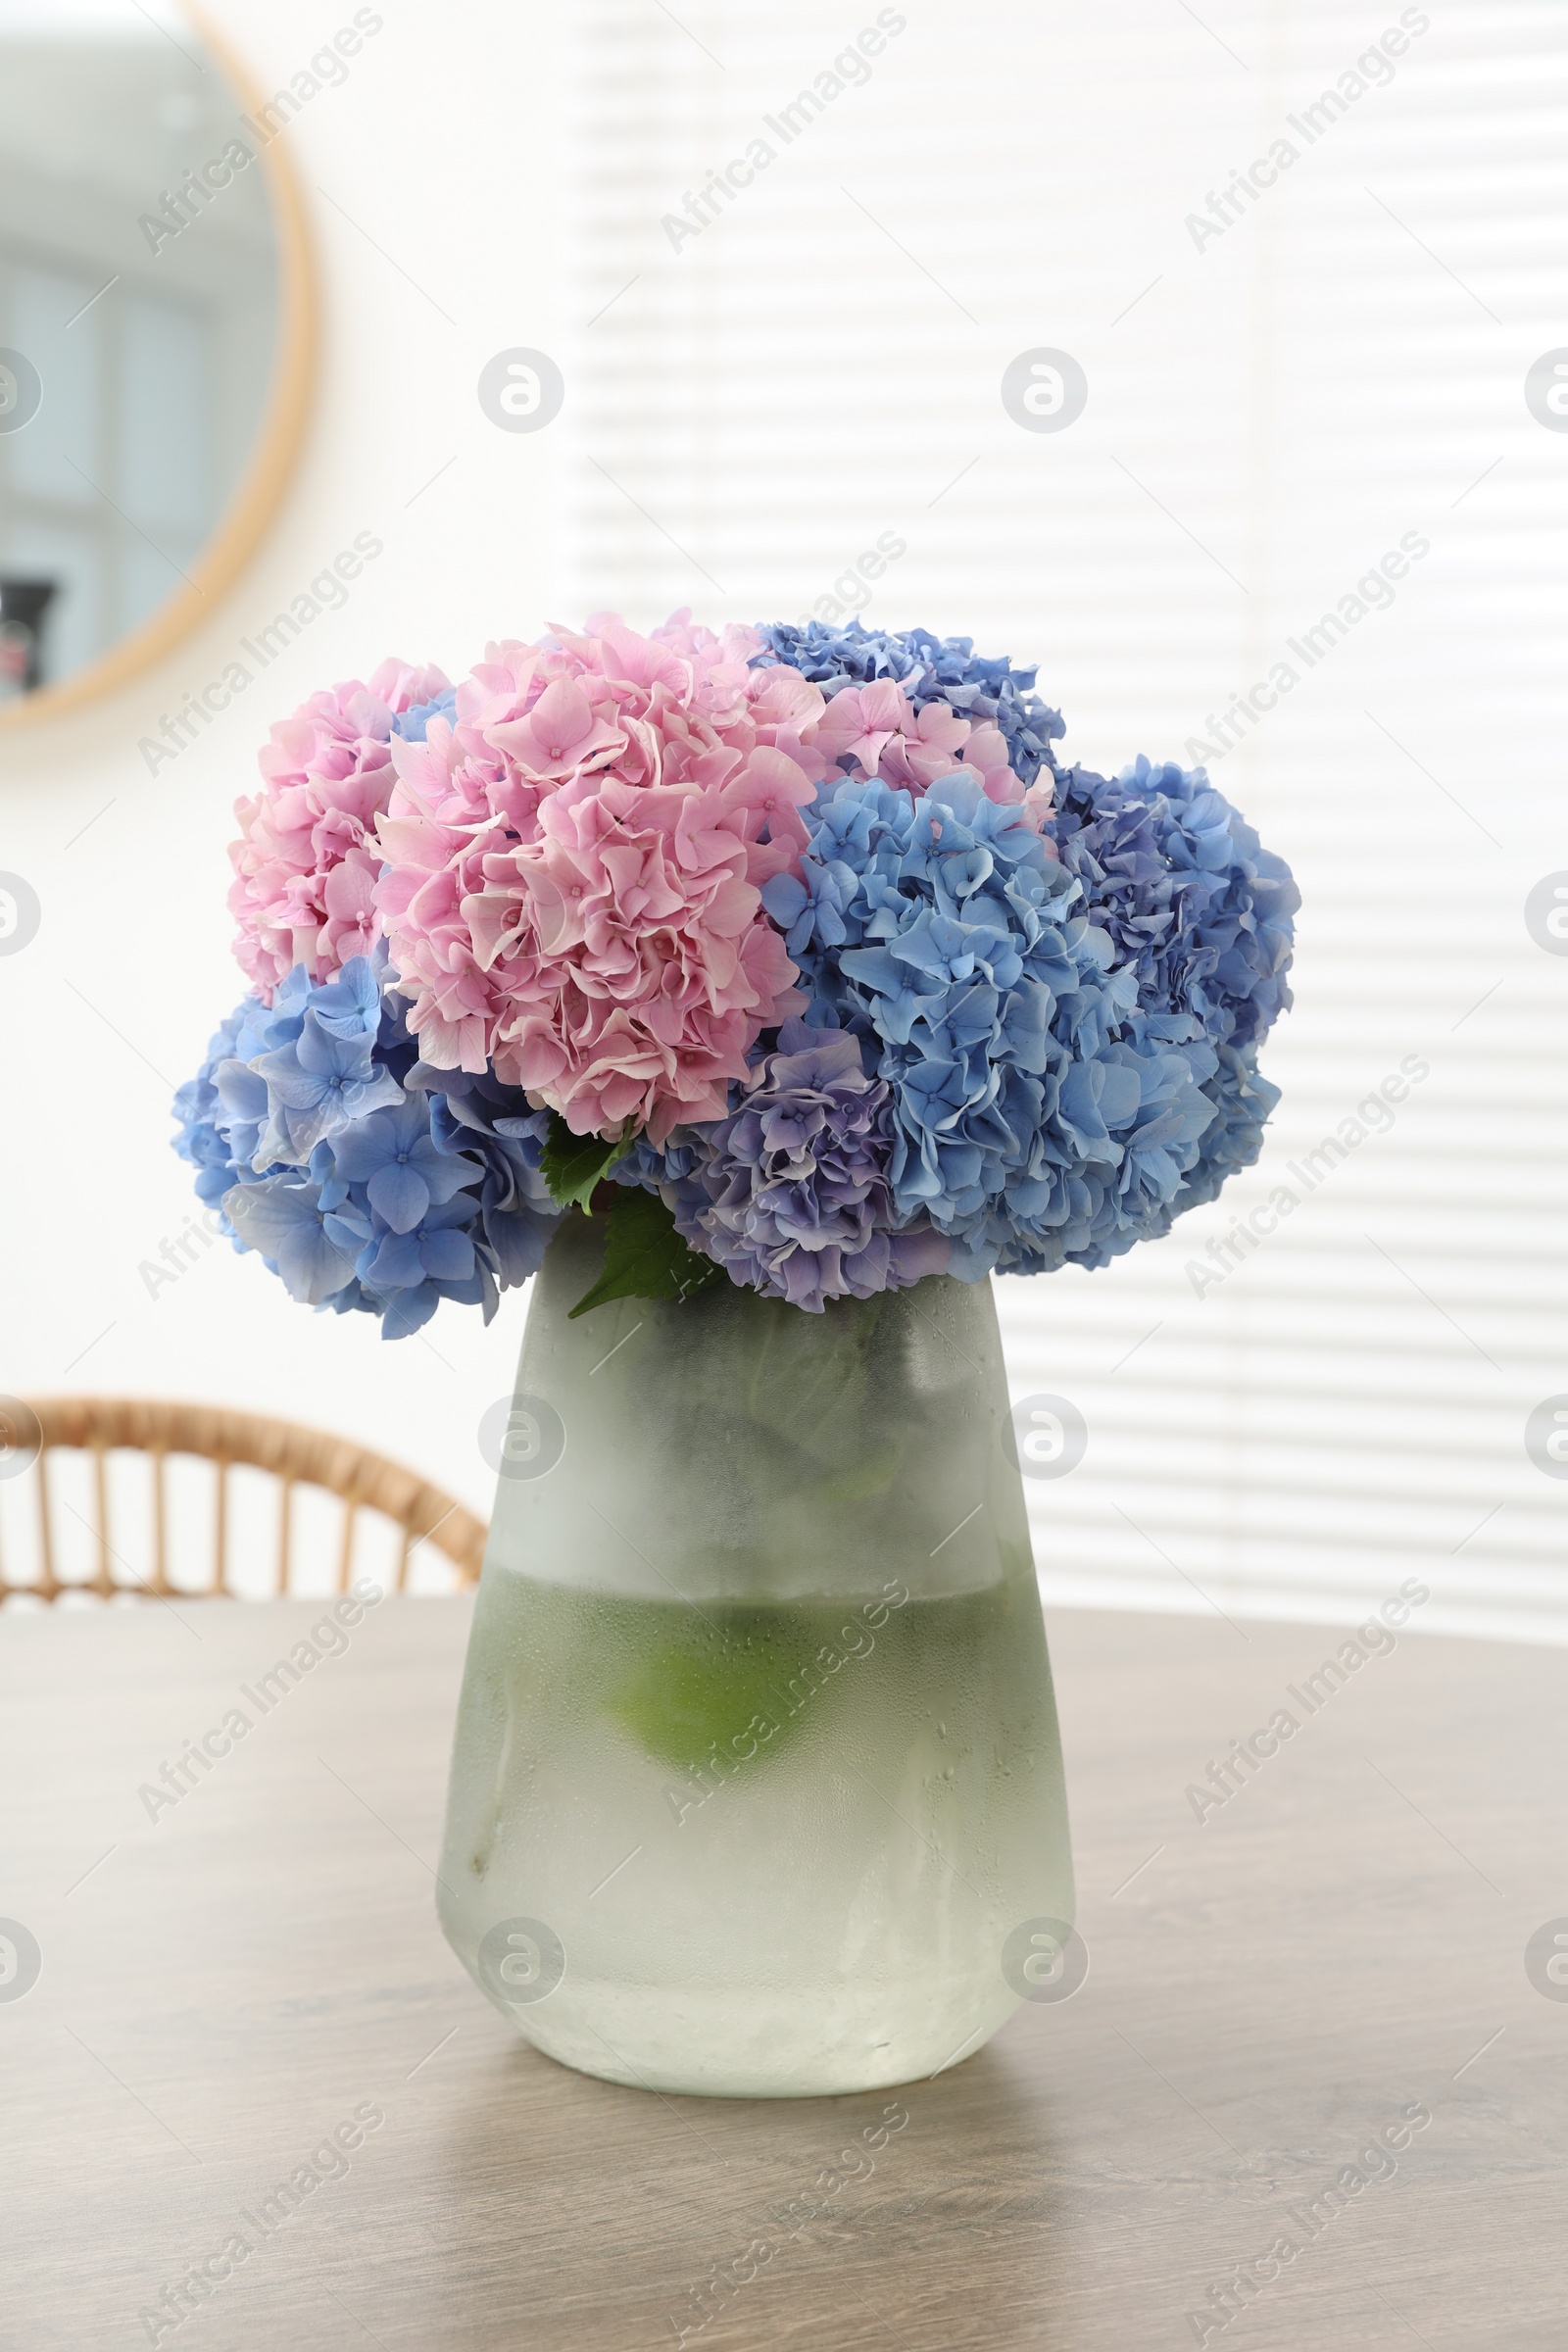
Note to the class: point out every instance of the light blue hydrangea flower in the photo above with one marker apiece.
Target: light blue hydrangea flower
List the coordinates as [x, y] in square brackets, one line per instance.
[332, 1152]
[398, 1162]
[412, 724]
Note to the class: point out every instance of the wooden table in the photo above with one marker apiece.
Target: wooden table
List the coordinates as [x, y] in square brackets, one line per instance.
[1339, 1942]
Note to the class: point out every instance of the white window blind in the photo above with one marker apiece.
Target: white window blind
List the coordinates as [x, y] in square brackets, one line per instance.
[1326, 370]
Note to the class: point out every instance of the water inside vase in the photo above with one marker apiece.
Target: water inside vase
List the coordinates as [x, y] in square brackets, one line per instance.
[780, 1843]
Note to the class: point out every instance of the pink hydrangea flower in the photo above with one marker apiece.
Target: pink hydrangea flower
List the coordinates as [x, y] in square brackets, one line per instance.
[878, 730]
[306, 865]
[576, 861]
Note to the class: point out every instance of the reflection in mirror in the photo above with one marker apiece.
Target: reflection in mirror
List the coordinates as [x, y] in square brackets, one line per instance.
[142, 325]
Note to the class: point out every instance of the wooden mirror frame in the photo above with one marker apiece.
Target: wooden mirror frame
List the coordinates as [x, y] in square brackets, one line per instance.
[259, 492]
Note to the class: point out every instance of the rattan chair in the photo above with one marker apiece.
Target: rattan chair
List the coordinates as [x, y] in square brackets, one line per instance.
[40, 1427]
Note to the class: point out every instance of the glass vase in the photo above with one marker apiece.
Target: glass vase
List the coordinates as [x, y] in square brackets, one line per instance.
[757, 1786]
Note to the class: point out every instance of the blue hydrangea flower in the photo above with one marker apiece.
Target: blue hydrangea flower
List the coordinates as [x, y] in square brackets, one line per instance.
[1040, 1113]
[1243, 1102]
[1203, 913]
[317, 1084]
[479, 1119]
[331, 1150]
[283, 1219]
[396, 1157]
[929, 669]
[1191, 898]
[435, 1246]
[1041, 1110]
[1070, 1044]
[411, 725]
[206, 1126]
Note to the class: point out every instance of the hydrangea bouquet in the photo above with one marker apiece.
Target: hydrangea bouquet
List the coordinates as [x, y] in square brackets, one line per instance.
[793, 952]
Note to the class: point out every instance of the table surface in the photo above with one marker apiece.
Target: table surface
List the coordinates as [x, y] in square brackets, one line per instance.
[1339, 1942]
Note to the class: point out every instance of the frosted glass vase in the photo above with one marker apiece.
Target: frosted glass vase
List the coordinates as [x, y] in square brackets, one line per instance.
[757, 1785]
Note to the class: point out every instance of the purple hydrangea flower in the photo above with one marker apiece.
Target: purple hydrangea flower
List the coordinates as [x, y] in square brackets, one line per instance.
[790, 1193]
[1191, 898]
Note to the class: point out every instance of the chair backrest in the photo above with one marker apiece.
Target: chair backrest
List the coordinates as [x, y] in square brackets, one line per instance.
[38, 1427]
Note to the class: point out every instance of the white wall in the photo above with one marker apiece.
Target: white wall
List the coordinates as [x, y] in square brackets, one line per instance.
[1344, 366]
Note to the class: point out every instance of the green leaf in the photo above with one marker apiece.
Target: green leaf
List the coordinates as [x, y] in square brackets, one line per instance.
[572, 1164]
[872, 1475]
[645, 1257]
[690, 1692]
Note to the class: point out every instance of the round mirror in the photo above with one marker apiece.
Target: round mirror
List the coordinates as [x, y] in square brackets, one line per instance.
[156, 332]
